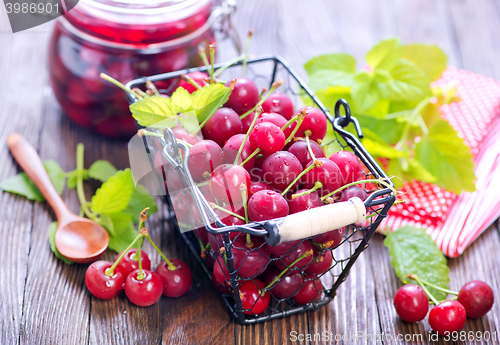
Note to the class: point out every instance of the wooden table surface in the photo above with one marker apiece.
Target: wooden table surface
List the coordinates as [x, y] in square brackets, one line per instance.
[44, 301]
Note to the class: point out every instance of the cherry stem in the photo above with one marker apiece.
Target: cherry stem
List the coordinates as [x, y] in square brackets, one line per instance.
[249, 243]
[152, 87]
[203, 54]
[317, 185]
[264, 89]
[243, 190]
[353, 184]
[417, 279]
[170, 265]
[190, 80]
[228, 64]
[308, 144]
[310, 167]
[305, 255]
[120, 85]
[253, 154]
[140, 276]
[250, 33]
[111, 271]
[252, 125]
[273, 87]
[84, 205]
[451, 292]
[211, 49]
[225, 210]
[145, 133]
[228, 92]
[299, 118]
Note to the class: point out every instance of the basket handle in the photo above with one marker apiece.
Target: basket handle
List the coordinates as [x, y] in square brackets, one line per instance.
[321, 219]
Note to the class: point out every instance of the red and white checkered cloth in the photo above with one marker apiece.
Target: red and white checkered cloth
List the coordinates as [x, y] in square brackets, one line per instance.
[455, 221]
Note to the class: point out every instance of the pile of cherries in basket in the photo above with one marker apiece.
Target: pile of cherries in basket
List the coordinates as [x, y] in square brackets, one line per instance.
[131, 271]
[473, 300]
[260, 160]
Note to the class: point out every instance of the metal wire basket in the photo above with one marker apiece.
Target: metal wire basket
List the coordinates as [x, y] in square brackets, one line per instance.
[198, 210]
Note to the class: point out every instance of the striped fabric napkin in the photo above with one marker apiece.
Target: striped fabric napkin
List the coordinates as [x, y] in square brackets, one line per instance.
[455, 221]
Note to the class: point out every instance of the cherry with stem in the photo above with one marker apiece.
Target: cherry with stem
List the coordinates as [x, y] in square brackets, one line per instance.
[278, 277]
[190, 80]
[259, 104]
[240, 150]
[422, 285]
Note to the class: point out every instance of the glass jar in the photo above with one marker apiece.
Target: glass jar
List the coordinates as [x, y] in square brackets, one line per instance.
[125, 39]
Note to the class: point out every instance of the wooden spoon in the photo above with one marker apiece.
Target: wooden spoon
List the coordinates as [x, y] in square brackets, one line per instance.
[79, 239]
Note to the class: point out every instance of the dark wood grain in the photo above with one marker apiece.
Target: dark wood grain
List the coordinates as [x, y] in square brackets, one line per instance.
[44, 301]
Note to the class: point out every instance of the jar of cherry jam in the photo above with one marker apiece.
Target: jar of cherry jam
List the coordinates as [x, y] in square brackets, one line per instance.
[125, 39]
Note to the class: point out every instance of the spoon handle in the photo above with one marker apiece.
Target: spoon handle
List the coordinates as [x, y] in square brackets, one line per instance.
[28, 159]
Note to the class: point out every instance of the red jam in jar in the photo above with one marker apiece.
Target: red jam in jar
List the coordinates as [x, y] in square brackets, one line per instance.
[126, 40]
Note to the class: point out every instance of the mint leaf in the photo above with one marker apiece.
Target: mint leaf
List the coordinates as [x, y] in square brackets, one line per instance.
[139, 201]
[409, 83]
[364, 92]
[385, 54]
[330, 70]
[430, 58]
[123, 231]
[151, 110]
[181, 100]
[52, 241]
[21, 184]
[208, 99]
[447, 158]
[413, 251]
[114, 194]
[72, 179]
[101, 170]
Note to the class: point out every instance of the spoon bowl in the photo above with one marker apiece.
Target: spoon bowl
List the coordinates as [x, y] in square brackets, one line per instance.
[78, 239]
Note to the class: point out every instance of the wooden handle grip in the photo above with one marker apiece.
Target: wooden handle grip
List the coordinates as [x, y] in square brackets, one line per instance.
[321, 219]
[30, 162]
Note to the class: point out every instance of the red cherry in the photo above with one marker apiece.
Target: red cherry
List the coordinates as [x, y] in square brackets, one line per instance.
[204, 157]
[448, 316]
[177, 282]
[321, 263]
[477, 298]
[250, 259]
[231, 148]
[253, 299]
[247, 121]
[288, 284]
[244, 96]
[280, 169]
[411, 303]
[198, 78]
[328, 174]
[351, 192]
[225, 183]
[283, 248]
[101, 285]
[182, 134]
[256, 174]
[220, 276]
[334, 236]
[276, 119]
[144, 292]
[280, 103]
[268, 137]
[309, 292]
[301, 249]
[130, 262]
[304, 202]
[223, 124]
[257, 187]
[349, 166]
[315, 121]
[299, 150]
[265, 205]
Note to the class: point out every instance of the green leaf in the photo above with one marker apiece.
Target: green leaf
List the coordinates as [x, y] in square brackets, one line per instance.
[189, 121]
[56, 174]
[114, 194]
[447, 158]
[417, 172]
[181, 100]
[409, 83]
[330, 70]
[389, 130]
[52, 241]
[139, 201]
[208, 99]
[381, 149]
[151, 110]
[430, 58]
[385, 54]
[364, 92]
[72, 179]
[22, 185]
[101, 170]
[123, 231]
[413, 251]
